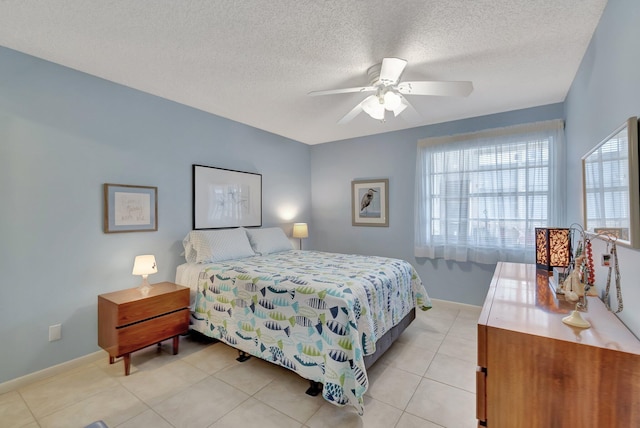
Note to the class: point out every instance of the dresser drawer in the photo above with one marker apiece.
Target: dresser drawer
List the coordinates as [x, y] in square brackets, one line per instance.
[154, 330]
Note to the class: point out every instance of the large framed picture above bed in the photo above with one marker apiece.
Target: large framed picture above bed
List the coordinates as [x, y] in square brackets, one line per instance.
[224, 198]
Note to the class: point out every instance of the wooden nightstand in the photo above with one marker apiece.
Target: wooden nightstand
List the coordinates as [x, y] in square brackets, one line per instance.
[129, 321]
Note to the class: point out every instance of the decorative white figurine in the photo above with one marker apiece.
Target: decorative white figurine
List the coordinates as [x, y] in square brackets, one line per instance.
[573, 289]
[571, 286]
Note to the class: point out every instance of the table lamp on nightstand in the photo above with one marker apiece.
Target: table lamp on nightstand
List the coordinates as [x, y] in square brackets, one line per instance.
[144, 265]
[300, 230]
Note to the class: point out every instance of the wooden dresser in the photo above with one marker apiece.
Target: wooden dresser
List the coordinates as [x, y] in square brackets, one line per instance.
[128, 320]
[536, 371]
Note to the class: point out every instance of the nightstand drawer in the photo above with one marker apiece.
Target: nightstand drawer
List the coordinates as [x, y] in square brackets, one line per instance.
[145, 333]
[129, 313]
[130, 306]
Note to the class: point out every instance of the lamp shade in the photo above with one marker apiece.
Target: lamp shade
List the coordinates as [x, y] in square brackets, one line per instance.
[373, 107]
[144, 265]
[392, 100]
[300, 230]
[401, 106]
[553, 247]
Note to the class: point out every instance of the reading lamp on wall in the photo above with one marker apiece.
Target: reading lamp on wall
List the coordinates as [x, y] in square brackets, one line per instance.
[144, 265]
[300, 230]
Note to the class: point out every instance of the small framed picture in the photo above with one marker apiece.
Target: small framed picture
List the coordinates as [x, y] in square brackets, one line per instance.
[370, 202]
[130, 208]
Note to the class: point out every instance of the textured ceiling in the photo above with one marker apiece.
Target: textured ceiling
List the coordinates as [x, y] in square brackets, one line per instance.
[255, 61]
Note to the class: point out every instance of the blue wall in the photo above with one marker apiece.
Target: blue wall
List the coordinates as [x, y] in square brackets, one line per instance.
[393, 156]
[604, 93]
[62, 135]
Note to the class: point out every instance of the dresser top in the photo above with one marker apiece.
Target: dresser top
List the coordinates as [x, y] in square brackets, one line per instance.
[520, 299]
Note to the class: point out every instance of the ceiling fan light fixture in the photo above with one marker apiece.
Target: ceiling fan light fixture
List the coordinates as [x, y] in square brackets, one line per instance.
[401, 106]
[392, 101]
[372, 106]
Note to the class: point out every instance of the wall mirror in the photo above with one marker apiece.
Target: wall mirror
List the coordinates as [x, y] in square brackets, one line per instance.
[611, 183]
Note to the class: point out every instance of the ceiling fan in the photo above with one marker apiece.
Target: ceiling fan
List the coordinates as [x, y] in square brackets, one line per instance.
[384, 80]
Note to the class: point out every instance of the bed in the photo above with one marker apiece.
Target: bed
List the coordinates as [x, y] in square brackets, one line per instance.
[326, 316]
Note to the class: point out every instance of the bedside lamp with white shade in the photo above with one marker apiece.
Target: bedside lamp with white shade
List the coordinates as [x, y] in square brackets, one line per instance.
[300, 230]
[145, 265]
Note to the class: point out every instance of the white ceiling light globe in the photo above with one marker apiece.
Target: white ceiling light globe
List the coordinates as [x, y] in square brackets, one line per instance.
[373, 108]
[391, 100]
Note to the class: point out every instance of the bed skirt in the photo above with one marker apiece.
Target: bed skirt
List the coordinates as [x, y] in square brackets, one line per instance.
[388, 338]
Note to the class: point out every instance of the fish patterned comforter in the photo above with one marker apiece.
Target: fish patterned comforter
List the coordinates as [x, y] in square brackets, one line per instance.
[315, 313]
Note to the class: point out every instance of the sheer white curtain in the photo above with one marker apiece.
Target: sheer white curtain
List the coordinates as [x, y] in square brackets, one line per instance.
[479, 196]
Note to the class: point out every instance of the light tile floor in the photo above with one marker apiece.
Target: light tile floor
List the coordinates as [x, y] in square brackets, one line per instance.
[426, 379]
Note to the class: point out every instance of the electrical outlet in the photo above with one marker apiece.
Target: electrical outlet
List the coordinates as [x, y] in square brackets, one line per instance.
[55, 332]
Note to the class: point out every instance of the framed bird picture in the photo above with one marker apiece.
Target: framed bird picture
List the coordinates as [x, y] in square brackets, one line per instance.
[370, 202]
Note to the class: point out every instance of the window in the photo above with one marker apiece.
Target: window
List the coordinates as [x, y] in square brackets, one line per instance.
[480, 196]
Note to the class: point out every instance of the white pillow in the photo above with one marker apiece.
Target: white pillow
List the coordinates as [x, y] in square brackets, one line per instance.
[268, 240]
[205, 246]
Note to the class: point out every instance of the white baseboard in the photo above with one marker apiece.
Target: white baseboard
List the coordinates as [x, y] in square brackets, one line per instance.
[25, 380]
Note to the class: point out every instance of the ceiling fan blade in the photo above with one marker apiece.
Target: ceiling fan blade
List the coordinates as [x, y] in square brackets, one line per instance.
[391, 70]
[352, 114]
[436, 88]
[343, 91]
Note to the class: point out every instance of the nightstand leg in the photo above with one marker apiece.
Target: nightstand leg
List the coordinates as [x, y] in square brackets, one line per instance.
[176, 341]
[127, 364]
[112, 359]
